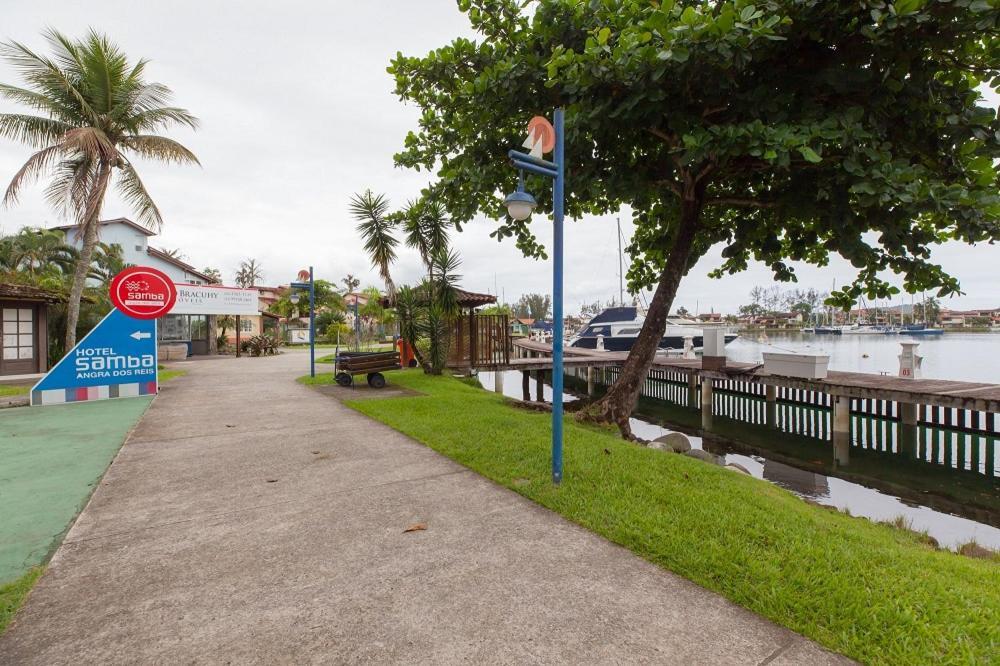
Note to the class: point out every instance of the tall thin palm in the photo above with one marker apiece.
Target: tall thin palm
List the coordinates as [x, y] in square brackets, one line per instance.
[425, 225]
[97, 113]
[376, 227]
[249, 274]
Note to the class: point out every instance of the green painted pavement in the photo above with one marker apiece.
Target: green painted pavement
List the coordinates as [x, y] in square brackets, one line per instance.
[50, 461]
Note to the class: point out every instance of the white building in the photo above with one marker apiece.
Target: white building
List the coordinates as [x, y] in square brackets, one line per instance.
[134, 242]
[198, 332]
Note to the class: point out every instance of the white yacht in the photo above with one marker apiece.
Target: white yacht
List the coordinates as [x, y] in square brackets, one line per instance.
[620, 327]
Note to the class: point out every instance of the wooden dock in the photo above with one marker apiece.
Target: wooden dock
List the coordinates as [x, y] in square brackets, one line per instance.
[977, 396]
[969, 407]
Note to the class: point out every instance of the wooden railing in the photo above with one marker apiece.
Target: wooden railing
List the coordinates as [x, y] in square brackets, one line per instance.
[480, 341]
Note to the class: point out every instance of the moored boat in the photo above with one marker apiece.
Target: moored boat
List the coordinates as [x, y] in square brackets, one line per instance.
[619, 327]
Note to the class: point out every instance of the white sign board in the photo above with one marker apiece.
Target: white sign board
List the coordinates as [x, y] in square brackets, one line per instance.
[215, 300]
[297, 336]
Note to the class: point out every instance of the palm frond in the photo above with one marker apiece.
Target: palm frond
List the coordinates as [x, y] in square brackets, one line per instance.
[376, 227]
[35, 100]
[90, 141]
[434, 226]
[104, 67]
[156, 119]
[134, 193]
[445, 280]
[33, 131]
[32, 169]
[44, 75]
[159, 148]
[67, 190]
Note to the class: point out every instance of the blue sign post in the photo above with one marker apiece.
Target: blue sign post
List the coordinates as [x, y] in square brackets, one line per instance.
[117, 359]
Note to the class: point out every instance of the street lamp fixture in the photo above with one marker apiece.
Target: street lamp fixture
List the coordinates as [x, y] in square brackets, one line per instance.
[294, 298]
[520, 204]
[544, 136]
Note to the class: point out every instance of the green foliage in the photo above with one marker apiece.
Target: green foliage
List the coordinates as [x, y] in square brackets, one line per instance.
[875, 593]
[425, 312]
[260, 345]
[497, 309]
[783, 129]
[534, 306]
[927, 311]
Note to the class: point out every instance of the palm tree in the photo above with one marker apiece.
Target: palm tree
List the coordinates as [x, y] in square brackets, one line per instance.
[174, 253]
[350, 283]
[427, 311]
[425, 225]
[97, 112]
[32, 252]
[376, 227]
[109, 261]
[249, 274]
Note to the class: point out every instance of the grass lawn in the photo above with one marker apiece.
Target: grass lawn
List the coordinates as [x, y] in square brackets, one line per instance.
[10, 391]
[167, 375]
[13, 594]
[872, 592]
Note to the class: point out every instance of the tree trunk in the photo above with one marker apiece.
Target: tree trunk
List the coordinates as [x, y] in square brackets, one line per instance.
[90, 230]
[617, 404]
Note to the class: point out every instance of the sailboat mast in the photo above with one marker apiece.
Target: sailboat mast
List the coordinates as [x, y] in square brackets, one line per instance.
[621, 270]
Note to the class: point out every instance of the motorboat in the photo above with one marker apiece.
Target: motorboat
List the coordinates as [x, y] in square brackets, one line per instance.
[915, 330]
[619, 328]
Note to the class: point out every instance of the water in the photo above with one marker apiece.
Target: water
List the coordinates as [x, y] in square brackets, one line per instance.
[877, 484]
[961, 356]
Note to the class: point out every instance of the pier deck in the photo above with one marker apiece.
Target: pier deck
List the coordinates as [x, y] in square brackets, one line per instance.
[977, 396]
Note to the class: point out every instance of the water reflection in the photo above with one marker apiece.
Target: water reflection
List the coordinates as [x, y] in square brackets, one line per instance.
[953, 504]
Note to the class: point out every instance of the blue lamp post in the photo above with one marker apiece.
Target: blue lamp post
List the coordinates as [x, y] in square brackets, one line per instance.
[520, 205]
[311, 287]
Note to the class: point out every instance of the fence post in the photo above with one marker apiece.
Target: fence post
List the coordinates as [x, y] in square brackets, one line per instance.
[908, 428]
[841, 429]
[771, 406]
[706, 403]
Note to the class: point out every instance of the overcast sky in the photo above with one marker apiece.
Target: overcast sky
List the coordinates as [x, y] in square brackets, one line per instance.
[297, 113]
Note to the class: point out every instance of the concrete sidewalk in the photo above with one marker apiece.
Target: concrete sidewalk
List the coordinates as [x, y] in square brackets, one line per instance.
[251, 519]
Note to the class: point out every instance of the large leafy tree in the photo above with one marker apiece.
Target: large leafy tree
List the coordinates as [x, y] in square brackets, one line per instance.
[782, 129]
[96, 112]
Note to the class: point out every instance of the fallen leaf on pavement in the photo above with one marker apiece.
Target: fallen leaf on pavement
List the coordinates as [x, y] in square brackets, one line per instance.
[415, 527]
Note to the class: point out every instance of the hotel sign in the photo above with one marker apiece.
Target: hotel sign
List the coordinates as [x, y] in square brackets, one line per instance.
[143, 293]
[117, 359]
[215, 300]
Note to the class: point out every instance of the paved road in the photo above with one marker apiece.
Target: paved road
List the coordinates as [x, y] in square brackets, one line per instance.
[249, 519]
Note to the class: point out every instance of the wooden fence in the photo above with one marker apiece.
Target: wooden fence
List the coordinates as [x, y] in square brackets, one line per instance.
[480, 341]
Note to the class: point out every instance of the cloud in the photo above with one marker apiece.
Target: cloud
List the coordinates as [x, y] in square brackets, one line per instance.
[298, 113]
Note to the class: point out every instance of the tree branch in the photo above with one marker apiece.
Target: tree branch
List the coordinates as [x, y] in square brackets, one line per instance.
[669, 139]
[741, 202]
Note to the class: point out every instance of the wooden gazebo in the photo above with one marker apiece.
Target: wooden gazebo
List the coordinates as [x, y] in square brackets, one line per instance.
[477, 340]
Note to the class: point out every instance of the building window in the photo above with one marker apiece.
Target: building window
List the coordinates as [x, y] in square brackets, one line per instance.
[182, 328]
[199, 327]
[246, 325]
[18, 333]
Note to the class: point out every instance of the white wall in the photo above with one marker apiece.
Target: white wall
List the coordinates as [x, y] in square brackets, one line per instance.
[132, 241]
[134, 244]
